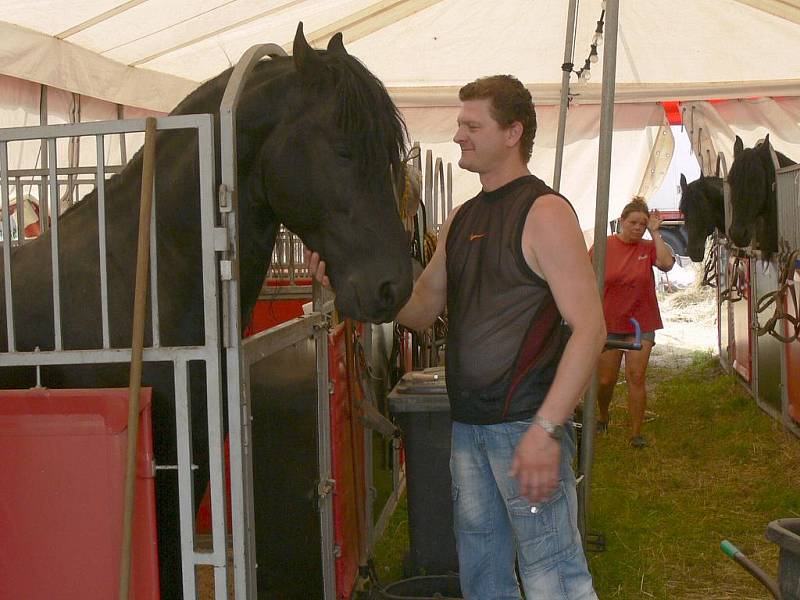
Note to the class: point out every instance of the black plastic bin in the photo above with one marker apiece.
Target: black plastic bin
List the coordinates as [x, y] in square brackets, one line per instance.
[432, 587]
[786, 534]
[421, 409]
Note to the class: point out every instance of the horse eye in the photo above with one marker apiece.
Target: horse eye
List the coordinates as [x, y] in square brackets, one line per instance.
[343, 151]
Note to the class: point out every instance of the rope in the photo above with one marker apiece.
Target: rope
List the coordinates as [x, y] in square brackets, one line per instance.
[710, 266]
[787, 260]
[736, 290]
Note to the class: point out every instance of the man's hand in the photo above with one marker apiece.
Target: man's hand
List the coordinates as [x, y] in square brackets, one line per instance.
[316, 266]
[536, 464]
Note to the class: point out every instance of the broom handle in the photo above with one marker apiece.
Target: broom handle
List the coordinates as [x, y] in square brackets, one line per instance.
[137, 344]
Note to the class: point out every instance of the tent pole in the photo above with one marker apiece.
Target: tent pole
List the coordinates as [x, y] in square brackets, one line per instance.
[569, 50]
[600, 229]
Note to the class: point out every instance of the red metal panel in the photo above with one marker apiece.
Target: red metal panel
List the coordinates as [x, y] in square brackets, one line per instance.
[268, 313]
[62, 470]
[347, 439]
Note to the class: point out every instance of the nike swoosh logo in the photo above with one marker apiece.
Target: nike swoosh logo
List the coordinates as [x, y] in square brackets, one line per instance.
[476, 236]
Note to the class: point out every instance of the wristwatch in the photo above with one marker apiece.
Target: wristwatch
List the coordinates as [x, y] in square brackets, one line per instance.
[554, 430]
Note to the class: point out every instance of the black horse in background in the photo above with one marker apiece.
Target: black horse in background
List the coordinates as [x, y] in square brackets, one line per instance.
[317, 139]
[703, 207]
[754, 201]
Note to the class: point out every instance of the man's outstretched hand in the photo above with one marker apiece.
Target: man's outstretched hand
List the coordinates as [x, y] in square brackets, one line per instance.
[316, 266]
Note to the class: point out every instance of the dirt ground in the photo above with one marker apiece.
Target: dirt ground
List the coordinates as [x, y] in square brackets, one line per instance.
[689, 315]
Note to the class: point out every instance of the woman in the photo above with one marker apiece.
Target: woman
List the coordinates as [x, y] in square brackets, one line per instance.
[630, 291]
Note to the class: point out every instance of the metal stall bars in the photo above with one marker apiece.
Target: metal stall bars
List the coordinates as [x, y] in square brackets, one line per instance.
[765, 350]
[788, 199]
[244, 357]
[735, 273]
[286, 281]
[178, 356]
[241, 465]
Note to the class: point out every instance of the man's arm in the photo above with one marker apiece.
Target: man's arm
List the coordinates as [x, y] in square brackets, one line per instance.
[430, 290]
[553, 246]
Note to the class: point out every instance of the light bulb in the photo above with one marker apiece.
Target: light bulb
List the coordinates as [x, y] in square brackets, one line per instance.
[603, 5]
[593, 58]
[587, 75]
[597, 39]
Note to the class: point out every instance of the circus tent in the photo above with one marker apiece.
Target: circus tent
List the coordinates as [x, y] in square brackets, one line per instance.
[725, 66]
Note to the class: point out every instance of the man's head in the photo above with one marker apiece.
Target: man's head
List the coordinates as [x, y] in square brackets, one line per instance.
[497, 113]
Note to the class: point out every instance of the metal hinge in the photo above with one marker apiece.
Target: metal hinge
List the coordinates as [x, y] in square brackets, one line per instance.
[224, 199]
[220, 239]
[226, 270]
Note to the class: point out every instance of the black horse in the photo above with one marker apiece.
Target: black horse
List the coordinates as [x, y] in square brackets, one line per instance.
[703, 209]
[318, 137]
[753, 196]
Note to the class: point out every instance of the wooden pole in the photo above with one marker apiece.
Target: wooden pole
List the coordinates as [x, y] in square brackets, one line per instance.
[137, 347]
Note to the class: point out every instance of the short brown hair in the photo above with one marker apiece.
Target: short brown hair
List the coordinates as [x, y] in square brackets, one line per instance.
[637, 204]
[510, 101]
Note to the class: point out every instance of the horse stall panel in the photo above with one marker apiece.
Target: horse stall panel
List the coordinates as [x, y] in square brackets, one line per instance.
[768, 363]
[741, 331]
[62, 473]
[71, 292]
[280, 300]
[347, 439]
[791, 358]
[283, 392]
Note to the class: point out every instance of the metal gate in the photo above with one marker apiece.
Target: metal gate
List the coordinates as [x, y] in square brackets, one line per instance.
[227, 359]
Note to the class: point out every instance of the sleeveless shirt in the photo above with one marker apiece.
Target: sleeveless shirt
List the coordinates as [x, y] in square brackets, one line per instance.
[505, 335]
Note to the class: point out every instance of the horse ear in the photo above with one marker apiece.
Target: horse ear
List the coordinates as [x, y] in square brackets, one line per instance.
[738, 146]
[306, 59]
[765, 144]
[684, 184]
[336, 45]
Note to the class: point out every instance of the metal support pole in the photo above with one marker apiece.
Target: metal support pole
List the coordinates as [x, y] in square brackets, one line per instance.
[600, 233]
[569, 50]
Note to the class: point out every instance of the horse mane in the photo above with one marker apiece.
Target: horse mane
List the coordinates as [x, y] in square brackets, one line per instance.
[366, 115]
[371, 125]
[706, 184]
[748, 173]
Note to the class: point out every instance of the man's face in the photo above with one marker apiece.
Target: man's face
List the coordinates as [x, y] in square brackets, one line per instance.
[484, 144]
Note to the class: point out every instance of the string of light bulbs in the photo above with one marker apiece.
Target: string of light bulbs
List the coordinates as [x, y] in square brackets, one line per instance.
[585, 74]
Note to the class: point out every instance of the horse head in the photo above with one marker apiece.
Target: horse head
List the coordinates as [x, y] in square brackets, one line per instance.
[751, 176]
[326, 167]
[703, 210]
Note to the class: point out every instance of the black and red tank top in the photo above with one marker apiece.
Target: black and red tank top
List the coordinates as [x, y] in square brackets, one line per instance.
[505, 335]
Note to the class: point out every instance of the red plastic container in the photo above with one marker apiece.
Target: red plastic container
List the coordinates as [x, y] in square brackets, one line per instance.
[62, 470]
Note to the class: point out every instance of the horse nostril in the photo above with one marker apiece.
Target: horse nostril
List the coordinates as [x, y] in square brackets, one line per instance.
[388, 294]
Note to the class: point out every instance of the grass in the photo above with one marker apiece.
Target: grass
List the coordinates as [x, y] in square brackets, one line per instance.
[717, 467]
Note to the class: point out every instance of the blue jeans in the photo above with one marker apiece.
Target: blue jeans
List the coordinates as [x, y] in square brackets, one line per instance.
[494, 524]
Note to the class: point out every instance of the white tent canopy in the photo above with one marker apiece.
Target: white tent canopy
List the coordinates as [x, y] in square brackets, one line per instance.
[150, 53]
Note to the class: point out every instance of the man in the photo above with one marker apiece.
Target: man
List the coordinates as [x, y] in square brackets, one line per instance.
[511, 263]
